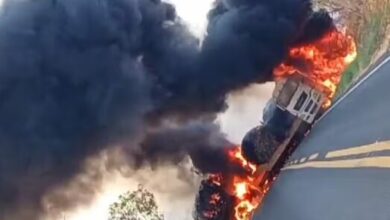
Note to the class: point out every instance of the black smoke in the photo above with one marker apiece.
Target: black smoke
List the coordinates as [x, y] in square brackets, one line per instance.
[80, 76]
[202, 142]
[245, 40]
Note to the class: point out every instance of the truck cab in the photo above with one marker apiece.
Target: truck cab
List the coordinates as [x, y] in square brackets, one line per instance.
[298, 98]
[294, 107]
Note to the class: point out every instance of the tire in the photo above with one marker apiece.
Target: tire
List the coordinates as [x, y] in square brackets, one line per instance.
[259, 145]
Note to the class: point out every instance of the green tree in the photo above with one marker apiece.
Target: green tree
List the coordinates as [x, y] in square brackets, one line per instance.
[137, 205]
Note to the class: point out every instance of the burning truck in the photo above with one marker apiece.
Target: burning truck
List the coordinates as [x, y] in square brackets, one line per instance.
[305, 85]
[294, 107]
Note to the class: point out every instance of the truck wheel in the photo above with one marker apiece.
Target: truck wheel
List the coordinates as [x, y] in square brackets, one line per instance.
[259, 145]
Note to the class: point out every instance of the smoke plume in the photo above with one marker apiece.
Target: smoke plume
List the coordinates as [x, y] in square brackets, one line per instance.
[202, 142]
[80, 76]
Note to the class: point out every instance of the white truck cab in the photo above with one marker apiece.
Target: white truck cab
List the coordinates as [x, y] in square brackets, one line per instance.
[298, 98]
[293, 109]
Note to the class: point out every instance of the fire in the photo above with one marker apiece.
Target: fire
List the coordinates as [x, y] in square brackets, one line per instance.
[245, 187]
[242, 188]
[236, 156]
[321, 62]
[248, 198]
[244, 210]
[216, 179]
[214, 200]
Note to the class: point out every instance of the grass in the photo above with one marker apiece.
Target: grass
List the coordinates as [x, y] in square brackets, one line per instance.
[368, 21]
[369, 43]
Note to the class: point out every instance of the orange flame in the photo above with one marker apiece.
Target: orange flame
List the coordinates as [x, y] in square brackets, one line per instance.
[246, 188]
[215, 198]
[321, 62]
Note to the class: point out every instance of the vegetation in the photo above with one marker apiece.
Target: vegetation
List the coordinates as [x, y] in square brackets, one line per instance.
[137, 205]
[369, 22]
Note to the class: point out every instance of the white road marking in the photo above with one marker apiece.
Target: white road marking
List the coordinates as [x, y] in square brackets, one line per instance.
[366, 149]
[370, 162]
[314, 156]
[378, 161]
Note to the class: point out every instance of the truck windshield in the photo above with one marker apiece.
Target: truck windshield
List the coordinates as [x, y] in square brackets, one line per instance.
[300, 101]
[308, 107]
[288, 90]
[314, 109]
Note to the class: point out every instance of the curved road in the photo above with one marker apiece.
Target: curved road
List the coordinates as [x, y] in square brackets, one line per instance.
[342, 170]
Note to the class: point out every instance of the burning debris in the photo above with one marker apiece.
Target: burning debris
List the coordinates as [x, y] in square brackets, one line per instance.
[238, 194]
[213, 203]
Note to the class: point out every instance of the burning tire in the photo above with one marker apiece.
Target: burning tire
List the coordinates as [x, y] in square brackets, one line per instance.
[259, 145]
[212, 202]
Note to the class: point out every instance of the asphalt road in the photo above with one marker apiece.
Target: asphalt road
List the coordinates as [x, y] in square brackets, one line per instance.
[342, 170]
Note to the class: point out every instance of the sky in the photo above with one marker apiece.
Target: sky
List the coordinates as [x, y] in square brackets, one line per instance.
[244, 112]
[194, 13]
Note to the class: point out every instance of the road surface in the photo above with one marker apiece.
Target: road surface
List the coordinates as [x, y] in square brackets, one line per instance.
[342, 170]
